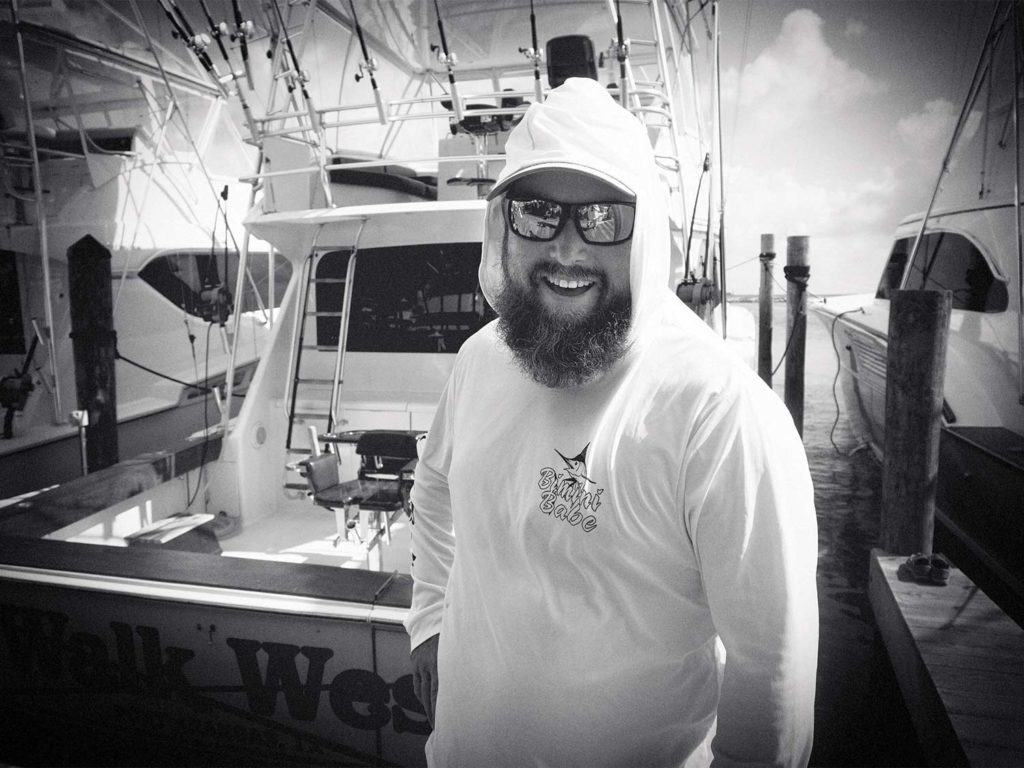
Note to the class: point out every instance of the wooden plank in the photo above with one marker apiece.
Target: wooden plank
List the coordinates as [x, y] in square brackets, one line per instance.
[931, 722]
[959, 662]
[994, 707]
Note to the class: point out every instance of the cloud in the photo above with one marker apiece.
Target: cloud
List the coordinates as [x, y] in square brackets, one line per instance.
[797, 76]
[849, 225]
[927, 133]
[855, 29]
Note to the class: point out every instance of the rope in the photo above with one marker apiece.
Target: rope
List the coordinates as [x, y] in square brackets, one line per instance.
[792, 332]
[835, 379]
[798, 275]
[201, 388]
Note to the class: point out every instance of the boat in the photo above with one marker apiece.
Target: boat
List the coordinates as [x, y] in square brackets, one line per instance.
[238, 597]
[966, 242]
[125, 159]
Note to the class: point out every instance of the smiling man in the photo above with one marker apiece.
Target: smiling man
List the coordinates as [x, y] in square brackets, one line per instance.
[614, 537]
[565, 303]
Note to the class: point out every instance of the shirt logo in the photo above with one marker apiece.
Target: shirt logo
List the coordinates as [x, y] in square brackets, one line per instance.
[568, 494]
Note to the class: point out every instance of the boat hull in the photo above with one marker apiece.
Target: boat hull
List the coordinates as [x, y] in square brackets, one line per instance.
[222, 662]
[29, 467]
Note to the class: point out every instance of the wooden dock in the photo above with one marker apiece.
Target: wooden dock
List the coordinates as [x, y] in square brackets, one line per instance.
[959, 661]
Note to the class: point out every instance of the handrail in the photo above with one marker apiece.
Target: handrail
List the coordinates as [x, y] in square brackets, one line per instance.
[346, 310]
[362, 164]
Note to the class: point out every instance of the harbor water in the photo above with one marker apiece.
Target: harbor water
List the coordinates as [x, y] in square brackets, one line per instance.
[860, 719]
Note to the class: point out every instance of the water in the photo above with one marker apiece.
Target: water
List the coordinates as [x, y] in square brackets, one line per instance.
[860, 719]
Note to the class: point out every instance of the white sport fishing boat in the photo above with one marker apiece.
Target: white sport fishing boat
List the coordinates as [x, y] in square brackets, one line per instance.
[116, 158]
[968, 242]
[239, 599]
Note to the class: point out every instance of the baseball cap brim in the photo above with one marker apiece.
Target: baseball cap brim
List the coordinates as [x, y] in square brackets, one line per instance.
[562, 166]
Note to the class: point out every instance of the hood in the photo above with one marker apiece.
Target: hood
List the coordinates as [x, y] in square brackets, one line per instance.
[580, 127]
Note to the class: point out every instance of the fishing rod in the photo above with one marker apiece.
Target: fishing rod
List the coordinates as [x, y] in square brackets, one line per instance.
[449, 60]
[621, 53]
[218, 31]
[197, 42]
[534, 54]
[243, 30]
[182, 30]
[299, 75]
[369, 64]
[693, 217]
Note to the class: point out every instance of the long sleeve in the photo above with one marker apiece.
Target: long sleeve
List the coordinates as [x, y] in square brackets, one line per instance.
[750, 508]
[433, 540]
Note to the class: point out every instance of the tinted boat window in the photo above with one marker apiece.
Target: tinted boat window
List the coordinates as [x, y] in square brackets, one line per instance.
[186, 277]
[946, 261]
[12, 339]
[415, 298]
[893, 275]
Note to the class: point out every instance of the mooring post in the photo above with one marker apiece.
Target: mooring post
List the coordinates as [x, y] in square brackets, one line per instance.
[764, 328]
[95, 347]
[918, 330]
[797, 272]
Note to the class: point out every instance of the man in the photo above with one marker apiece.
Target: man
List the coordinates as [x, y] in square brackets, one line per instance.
[607, 496]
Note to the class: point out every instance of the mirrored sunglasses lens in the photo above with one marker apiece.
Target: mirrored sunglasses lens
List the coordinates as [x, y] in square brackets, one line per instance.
[605, 222]
[535, 219]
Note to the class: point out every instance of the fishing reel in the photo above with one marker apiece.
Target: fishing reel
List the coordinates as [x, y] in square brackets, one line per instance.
[198, 43]
[221, 30]
[215, 304]
[243, 31]
[366, 68]
[448, 59]
[15, 389]
[616, 51]
[534, 55]
[698, 293]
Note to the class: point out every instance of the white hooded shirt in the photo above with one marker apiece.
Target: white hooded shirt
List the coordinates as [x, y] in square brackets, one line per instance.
[583, 552]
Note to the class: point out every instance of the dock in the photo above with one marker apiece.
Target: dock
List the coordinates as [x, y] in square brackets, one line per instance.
[959, 661]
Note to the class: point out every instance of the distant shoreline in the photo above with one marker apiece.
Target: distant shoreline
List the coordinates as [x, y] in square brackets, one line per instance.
[778, 298]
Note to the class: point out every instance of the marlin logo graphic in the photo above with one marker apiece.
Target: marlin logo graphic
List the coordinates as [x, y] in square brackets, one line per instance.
[576, 467]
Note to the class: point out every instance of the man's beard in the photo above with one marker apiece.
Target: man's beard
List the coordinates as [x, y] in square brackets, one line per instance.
[562, 352]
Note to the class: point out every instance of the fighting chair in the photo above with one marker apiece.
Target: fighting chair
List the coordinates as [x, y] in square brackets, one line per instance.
[570, 56]
[365, 508]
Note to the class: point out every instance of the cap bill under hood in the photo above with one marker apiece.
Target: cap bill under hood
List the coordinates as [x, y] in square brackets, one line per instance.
[580, 128]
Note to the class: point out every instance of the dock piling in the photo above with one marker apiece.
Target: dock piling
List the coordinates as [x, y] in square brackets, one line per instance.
[95, 348]
[797, 272]
[764, 330]
[918, 330]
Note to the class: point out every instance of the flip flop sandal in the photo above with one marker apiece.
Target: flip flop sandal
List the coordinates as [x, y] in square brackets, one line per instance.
[919, 567]
[939, 571]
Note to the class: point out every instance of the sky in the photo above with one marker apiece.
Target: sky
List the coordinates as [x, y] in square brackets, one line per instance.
[836, 117]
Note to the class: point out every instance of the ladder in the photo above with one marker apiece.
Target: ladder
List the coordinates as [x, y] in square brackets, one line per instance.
[306, 404]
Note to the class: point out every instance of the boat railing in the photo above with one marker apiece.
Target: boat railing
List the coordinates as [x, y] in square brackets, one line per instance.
[370, 164]
[649, 101]
[468, 105]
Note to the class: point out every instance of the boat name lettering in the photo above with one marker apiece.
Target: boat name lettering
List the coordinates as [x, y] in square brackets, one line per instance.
[39, 645]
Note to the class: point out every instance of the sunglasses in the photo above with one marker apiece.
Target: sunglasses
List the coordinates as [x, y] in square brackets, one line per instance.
[597, 223]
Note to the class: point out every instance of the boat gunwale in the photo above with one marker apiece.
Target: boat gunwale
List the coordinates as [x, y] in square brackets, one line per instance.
[208, 579]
